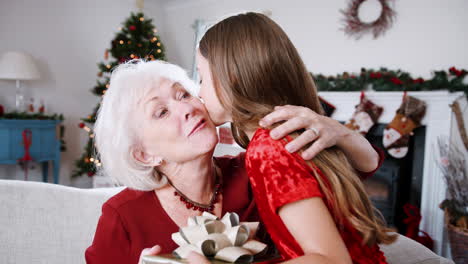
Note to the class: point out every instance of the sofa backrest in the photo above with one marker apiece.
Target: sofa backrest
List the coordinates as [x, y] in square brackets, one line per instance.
[47, 223]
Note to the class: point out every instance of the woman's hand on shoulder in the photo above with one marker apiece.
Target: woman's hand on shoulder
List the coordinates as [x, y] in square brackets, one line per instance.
[149, 252]
[323, 131]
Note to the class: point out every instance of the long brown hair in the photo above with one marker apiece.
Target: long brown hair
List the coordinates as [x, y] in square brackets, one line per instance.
[256, 67]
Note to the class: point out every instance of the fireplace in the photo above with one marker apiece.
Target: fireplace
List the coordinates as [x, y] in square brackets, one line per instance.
[398, 181]
[437, 122]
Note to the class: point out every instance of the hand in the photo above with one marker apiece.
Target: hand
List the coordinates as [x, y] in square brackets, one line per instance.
[149, 252]
[330, 132]
[195, 258]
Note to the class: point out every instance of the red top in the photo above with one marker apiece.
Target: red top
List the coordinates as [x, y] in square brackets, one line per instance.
[278, 178]
[133, 220]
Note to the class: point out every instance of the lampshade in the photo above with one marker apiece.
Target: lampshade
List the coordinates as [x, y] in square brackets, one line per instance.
[18, 66]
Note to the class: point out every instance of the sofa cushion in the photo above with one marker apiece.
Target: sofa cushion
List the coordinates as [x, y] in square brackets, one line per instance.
[47, 223]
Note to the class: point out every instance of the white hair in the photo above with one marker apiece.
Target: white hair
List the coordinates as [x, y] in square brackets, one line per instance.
[115, 130]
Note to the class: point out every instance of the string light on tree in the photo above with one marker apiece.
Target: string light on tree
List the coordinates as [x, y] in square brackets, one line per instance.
[132, 40]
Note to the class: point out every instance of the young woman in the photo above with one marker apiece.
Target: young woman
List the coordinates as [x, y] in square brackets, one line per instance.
[315, 211]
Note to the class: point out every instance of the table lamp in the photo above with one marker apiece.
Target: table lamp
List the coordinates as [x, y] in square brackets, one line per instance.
[18, 66]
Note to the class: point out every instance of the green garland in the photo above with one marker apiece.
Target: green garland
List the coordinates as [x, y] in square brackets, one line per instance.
[390, 80]
[38, 116]
[31, 116]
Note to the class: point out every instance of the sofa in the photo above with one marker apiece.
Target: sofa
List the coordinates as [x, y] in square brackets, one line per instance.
[48, 223]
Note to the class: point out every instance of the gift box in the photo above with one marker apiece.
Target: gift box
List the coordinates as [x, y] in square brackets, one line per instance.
[223, 240]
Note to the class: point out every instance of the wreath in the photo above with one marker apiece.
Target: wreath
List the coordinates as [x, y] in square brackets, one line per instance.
[355, 27]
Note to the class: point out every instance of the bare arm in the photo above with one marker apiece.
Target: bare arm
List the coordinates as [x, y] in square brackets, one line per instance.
[311, 224]
[357, 149]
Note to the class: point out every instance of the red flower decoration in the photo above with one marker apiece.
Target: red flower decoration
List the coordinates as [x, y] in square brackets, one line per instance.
[132, 28]
[418, 80]
[81, 125]
[90, 174]
[376, 75]
[456, 71]
[396, 81]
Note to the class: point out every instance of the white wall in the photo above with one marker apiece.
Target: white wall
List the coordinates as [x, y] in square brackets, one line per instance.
[427, 34]
[68, 39]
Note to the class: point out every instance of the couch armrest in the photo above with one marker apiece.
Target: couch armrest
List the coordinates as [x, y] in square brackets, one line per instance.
[407, 251]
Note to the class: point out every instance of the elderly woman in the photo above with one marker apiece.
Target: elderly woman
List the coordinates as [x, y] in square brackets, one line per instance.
[157, 139]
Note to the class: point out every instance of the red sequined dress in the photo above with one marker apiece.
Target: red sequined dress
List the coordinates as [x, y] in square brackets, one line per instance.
[278, 178]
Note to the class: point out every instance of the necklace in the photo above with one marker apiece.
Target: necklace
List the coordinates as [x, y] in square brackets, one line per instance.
[190, 204]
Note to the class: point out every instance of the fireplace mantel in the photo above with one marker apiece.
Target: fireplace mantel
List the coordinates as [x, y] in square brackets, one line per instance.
[437, 121]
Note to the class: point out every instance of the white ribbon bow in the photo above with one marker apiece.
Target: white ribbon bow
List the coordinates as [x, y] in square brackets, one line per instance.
[226, 239]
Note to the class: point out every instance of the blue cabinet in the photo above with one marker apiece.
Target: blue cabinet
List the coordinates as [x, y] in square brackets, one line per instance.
[45, 145]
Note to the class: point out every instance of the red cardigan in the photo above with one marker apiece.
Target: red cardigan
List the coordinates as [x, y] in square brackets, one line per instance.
[133, 220]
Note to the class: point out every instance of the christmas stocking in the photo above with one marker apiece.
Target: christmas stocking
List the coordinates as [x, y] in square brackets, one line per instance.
[397, 134]
[365, 116]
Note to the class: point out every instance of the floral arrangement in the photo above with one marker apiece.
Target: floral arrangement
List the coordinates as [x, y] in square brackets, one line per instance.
[454, 167]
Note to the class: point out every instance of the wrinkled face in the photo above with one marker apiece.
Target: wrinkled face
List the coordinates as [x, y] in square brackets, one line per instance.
[174, 125]
[218, 114]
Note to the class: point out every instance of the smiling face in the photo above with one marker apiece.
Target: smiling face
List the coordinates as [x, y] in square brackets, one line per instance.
[174, 125]
[217, 112]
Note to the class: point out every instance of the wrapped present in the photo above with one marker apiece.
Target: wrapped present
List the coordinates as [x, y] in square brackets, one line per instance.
[220, 240]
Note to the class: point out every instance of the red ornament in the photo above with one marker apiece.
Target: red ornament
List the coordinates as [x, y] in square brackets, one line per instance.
[90, 174]
[132, 28]
[81, 125]
[396, 81]
[376, 75]
[418, 80]
[456, 71]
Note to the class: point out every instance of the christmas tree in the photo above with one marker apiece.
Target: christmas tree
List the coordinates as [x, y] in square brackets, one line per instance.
[135, 39]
